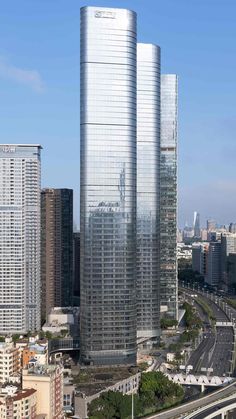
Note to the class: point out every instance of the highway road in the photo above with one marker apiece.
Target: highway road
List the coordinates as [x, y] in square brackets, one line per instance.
[199, 358]
[220, 358]
[219, 314]
[215, 351]
[179, 411]
[213, 409]
[203, 316]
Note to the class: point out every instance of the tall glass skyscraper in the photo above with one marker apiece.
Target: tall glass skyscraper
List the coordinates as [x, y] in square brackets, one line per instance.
[108, 186]
[19, 238]
[196, 224]
[148, 190]
[168, 213]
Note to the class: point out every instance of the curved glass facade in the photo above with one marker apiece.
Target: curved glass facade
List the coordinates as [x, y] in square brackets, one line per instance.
[108, 186]
[148, 190]
[169, 281]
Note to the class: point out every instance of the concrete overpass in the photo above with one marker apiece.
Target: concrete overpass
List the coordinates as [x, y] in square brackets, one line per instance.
[194, 406]
[213, 410]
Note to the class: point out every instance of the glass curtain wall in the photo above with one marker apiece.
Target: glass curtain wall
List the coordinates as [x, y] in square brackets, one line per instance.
[108, 186]
[169, 281]
[148, 190]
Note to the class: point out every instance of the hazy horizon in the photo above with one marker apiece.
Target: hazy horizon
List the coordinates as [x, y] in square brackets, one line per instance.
[39, 81]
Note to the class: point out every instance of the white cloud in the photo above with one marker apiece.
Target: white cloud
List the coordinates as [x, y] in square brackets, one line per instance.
[30, 78]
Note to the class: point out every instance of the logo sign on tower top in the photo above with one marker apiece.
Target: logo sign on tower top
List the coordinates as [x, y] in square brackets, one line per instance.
[105, 14]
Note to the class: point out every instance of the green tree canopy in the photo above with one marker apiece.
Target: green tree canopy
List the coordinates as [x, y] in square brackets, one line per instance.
[156, 391]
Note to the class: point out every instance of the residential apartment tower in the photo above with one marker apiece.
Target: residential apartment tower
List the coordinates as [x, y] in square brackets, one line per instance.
[56, 249]
[19, 238]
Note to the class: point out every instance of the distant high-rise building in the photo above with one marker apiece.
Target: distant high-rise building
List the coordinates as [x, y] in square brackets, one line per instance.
[56, 249]
[213, 275]
[19, 238]
[212, 236]
[204, 234]
[188, 233]
[231, 273]
[168, 199]
[179, 236]
[196, 224]
[199, 258]
[148, 190]
[232, 228]
[108, 186]
[196, 257]
[76, 268]
[211, 225]
[228, 245]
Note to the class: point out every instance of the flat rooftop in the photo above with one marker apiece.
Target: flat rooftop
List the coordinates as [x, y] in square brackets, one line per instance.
[20, 145]
[92, 380]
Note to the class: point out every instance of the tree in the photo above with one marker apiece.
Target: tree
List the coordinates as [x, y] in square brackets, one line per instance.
[63, 332]
[111, 405]
[167, 322]
[155, 392]
[41, 334]
[156, 389]
[178, 356]
[48, 335]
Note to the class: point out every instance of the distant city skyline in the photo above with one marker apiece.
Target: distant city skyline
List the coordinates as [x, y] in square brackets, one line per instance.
[39, 81]
[203, 223]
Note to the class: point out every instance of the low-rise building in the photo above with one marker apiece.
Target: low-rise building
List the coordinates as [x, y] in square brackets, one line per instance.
[170, 357]
[184, 251]
[38, 351]
[68, 396]
[17, 404]
[48, 381]
[82, 399]
[63, 318]
[10, 363]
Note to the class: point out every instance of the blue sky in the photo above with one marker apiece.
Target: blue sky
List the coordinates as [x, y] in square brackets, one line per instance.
[39, 84]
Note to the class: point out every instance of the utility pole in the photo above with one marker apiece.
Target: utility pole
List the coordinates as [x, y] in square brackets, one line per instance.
[132, 405]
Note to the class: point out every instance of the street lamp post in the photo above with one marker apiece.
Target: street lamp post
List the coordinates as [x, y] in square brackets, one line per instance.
[132, 405]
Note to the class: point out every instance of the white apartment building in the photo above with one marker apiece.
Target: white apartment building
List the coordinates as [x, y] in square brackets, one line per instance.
[19, 238]
[10, 363]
